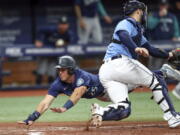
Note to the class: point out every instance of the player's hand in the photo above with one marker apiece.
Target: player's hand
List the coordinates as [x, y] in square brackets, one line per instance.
[58, 110]
[82, 24]
[38, 43]
[29, 123]
[108, 19]
[142, 51]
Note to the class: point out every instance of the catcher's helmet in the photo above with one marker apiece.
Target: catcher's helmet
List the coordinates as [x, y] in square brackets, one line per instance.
[66, 62]
[132, 6]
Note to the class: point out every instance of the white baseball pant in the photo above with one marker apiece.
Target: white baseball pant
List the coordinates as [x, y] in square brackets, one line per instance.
[115, 75]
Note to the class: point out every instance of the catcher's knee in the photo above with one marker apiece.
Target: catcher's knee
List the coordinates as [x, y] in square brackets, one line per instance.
[156, 88]
[118, 113]
[160, 94]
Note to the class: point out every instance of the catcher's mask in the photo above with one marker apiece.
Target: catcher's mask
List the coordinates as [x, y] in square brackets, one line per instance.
[132, 6]
[66, 62]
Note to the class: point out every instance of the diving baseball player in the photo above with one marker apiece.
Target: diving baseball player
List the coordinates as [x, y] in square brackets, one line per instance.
[120, 68]
[71, 81]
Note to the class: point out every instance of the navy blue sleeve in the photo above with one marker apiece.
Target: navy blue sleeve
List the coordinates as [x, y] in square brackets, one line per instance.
[54, 89]
[126, 39]
[155, 52]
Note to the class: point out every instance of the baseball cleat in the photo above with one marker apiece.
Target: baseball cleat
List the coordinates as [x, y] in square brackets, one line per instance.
[96, 120]
[170, 72]
[21, 122]
[176, 93]
[173, 121]
[96, 115]
[24, 123]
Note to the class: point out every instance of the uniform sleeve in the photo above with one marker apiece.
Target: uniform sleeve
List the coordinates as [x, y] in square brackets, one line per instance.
[101, 9]
[126, 39]
[176, 28]
[156, 52]
[143, 40]
[54, 89]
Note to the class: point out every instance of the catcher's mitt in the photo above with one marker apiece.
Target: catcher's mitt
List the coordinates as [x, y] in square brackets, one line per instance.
[175, 59]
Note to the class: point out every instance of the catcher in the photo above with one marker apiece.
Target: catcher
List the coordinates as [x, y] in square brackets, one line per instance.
[75, 83]
[121, 67]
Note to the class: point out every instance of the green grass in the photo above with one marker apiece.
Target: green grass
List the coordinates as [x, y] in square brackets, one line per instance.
[143, 109]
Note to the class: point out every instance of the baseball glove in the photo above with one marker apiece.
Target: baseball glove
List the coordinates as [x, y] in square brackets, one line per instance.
[175, 59]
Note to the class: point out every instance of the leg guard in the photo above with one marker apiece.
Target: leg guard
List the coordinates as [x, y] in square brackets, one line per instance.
[117, 112]
[160, 93]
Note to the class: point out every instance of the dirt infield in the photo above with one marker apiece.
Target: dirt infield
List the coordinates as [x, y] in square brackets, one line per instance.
[79, 128]
[22, 93]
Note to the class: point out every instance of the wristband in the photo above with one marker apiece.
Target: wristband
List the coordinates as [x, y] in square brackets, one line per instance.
[68, 104]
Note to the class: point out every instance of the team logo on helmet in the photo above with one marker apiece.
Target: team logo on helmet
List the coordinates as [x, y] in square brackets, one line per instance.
[80, 81]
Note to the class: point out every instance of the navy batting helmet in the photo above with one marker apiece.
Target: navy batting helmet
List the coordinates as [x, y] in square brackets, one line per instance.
[66, 62]
[132, 6]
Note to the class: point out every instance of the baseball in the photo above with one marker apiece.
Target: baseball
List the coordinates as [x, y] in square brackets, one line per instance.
[59, 42]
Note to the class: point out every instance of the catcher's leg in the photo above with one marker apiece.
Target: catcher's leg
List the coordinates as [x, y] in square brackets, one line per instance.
[160, 93]
[176, 91]
[120, 109]
[170, 72]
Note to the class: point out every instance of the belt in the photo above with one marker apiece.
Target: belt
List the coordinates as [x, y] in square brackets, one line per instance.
[116, 41]
[113, 58]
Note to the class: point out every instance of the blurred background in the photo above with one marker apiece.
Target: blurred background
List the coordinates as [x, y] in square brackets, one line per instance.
[33, 33]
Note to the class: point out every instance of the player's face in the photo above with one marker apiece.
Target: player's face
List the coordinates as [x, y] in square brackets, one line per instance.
[63, 27]
[63, 74]
[140, 13]
[142, 16]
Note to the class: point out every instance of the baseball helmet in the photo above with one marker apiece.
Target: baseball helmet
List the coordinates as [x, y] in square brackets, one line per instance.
[66, 62]
[132, 6]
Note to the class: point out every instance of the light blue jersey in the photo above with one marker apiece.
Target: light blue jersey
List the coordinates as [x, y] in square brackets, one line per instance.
[129, 25]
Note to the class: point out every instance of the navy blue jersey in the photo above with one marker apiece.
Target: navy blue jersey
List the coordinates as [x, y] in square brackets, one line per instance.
[89, 8]
[82, 78]
[50, 35]
[165, 27]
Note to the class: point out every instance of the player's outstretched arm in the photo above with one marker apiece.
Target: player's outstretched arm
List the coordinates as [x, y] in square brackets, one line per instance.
[156, 52]
[74, 98]
[41, 108]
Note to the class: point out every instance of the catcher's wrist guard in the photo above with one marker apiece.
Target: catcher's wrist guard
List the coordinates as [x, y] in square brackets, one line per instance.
[34, 116]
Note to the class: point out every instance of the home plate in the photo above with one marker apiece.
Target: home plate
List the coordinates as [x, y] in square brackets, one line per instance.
[35, 133]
